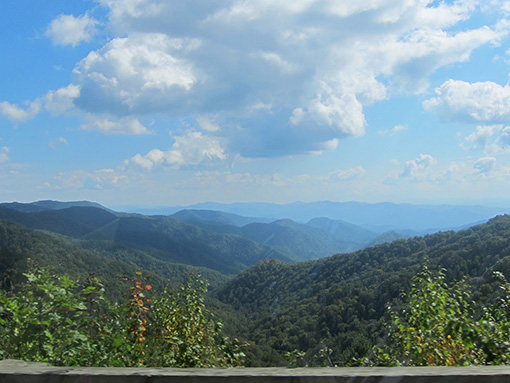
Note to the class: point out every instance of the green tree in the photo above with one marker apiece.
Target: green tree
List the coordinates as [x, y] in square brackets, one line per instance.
[186, 334]
[438, 327]
[53, 319]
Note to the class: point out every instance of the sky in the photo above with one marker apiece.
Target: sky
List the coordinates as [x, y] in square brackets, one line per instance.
[165, 103]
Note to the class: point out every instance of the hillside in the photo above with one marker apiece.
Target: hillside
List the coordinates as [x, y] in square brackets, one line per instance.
[319, 238]
[301, 242]
[214, 218]
[79, 258]
[163, 237]
[336, 303]
[339, 302]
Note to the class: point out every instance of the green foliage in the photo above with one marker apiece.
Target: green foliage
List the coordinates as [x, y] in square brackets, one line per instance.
[438, 327]
[185, 332]
[340, 302]
[53, 319]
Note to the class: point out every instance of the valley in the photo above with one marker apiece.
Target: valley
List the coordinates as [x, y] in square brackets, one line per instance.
[280, 285]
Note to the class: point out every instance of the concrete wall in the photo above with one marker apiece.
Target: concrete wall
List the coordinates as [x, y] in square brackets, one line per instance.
[12, 371]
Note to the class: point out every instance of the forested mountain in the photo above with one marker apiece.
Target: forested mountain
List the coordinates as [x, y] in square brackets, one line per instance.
[221, 241]
[214, 218]
[301, 242]
[162, 237]
[338, 303]
[78, 258]
[319, 238]
[48, 205]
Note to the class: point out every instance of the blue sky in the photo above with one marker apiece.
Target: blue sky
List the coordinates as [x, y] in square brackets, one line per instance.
[160, 102]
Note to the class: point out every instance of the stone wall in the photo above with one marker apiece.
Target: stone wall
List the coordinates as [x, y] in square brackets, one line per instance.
[12, 371]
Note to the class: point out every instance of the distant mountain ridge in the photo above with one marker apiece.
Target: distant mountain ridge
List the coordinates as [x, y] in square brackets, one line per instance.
[318, 238]
[49, 205]
[216, 217]
[282, 238]
[380, 217]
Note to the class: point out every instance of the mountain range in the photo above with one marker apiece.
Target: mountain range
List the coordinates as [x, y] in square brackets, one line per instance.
[230, 242]
[275, 283]
[377, 217]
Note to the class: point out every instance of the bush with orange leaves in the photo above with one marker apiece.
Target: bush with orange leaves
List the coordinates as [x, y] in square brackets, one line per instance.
[53, 319]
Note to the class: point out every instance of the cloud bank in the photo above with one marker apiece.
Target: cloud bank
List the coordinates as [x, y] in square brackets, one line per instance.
[267, 78]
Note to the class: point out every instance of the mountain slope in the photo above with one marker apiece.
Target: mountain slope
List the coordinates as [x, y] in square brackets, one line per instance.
[319, 238]
[303, 242]
[166, 238]
[49, 205]
[347, 232]
[339, 302]
[213, 218]
[79, 258]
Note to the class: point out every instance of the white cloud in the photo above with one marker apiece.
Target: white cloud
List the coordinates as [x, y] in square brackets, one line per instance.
[491, 138]
[140, 74]
[297, 73]
[313, 65]
[188, 150]
[61, 100]
[473, 102]
[70, 30]
[394, 130]
[83, 179]
[15, 113]
[61, 140]
[420, 168]
[208, 124]
[348, 174]
[128, 125]
[484, 166]
[4, 154]
[55, 101]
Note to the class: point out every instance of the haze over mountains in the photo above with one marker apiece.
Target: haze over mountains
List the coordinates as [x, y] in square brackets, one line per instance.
[378, 217]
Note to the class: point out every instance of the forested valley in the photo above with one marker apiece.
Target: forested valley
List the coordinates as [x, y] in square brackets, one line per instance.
[275, 308]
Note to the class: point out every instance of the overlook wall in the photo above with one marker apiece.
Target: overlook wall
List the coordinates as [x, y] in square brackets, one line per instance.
[12, 371]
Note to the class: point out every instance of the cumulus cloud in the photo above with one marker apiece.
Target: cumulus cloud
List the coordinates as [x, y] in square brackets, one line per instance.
[137, 75]
[472, 102]
[70, 30]
[419, 168]
[121, 126]
[83, 179]
[314, 65]
[297, 73]
[188, 150]
[348, 174]
[55, 101]
[484, 166]
[18, 114]
[207, 123]
[61, 100]
[492, 138]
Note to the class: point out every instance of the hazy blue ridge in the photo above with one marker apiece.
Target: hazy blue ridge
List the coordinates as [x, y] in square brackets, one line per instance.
[377, 217]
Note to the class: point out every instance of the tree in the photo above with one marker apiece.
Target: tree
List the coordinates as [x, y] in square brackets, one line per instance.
[438, 327]
[56, 320]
